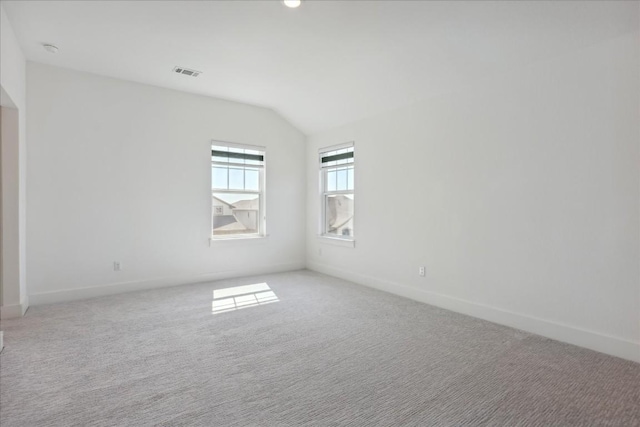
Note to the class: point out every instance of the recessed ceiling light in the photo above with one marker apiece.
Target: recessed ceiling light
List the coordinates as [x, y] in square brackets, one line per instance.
[50, 48]
[292, 3]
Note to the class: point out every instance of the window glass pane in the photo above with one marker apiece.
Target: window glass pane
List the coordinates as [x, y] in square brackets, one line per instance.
[252, 179]
[236, 179]
[219, 177]
[331, 180]
[235, 213]
[338, 177]
[350, 179]
[235, 210]
[342, 179]
[339, 215]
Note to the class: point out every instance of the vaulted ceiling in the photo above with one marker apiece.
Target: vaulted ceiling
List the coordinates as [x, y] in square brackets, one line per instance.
[321, 65]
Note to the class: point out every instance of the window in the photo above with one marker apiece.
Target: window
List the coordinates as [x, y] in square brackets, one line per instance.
[336, 177]
[237, 190]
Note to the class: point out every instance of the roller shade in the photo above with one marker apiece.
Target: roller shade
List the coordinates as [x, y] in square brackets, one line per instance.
[221, 155]
[337, 157]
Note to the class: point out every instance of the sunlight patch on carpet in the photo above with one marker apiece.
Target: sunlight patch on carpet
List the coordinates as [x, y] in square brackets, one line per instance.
[237, 297]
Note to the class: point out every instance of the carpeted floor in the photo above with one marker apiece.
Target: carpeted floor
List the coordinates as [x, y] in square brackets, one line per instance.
[318, 351]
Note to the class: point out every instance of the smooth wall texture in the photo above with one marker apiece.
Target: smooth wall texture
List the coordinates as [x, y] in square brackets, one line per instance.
[120, 171]
[14, 176]
[520, 196]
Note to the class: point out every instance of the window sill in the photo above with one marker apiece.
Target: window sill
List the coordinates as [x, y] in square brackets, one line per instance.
[238, 239]
[337, 241]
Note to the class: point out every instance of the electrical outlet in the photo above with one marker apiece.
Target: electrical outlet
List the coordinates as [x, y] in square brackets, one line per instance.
[421, 271]
[117, 266]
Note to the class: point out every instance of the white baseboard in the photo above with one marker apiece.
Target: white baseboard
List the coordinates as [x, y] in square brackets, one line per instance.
[162, 282]
[15, 310]
[592, 340]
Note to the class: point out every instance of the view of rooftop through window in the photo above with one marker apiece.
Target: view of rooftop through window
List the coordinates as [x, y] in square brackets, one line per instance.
[236, 190]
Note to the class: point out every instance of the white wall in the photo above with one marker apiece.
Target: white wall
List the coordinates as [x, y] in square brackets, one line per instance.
[13, 99]
[120, 171]
[526, 195]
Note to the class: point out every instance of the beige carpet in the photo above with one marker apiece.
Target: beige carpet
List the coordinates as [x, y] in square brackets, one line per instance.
[310, 350]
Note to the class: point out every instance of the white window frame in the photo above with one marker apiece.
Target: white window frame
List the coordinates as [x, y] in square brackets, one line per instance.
[262, 216]
[348, 241]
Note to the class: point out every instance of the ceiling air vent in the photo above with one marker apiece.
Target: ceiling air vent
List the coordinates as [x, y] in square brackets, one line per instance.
[187, 72]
